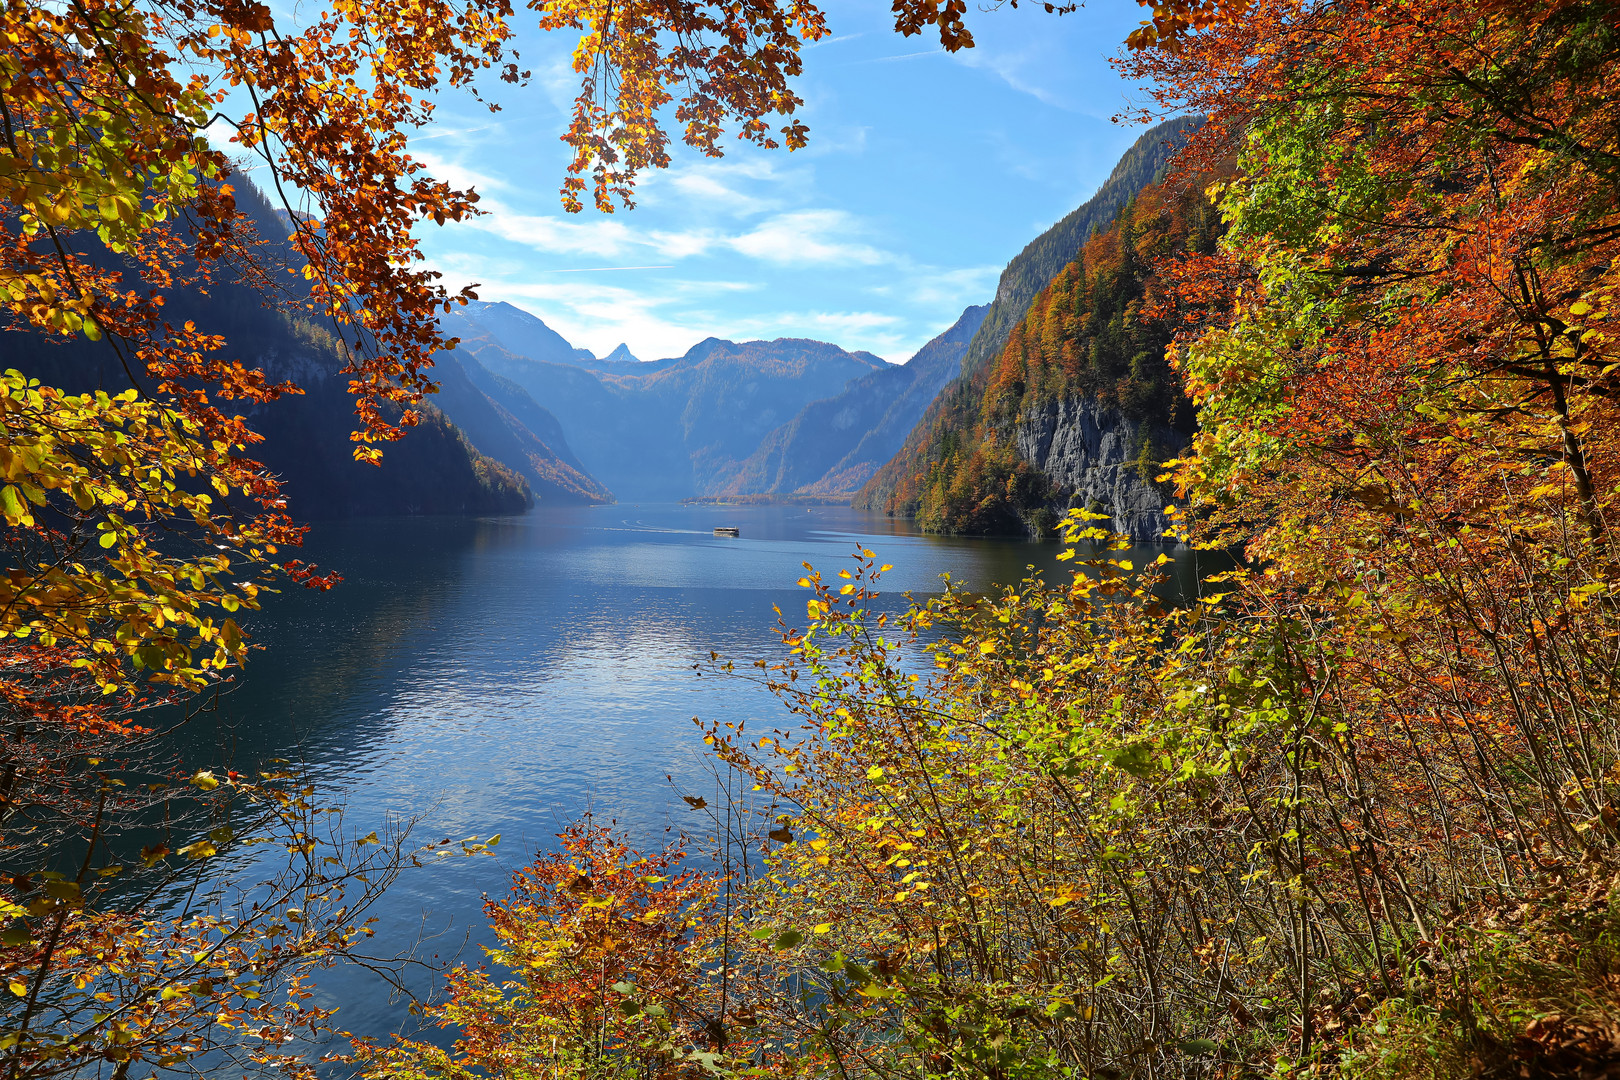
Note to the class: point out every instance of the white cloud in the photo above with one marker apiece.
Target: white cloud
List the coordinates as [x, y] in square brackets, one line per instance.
[955, 288]
[807, 46]
[1014, 69]
[901, 56]
[799, 237]
[847, 139]
[809, 236]
[458, 175]
[681, 245]
[579, 236]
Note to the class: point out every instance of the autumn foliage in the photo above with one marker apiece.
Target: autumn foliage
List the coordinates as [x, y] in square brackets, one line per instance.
[1354, 809]
[1085, 334]
[138, 521]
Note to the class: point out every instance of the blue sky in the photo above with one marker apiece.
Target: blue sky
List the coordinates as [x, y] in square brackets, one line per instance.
[925, 173]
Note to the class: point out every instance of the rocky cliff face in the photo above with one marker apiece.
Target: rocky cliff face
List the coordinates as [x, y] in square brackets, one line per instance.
[898, 487]
[1101, 460]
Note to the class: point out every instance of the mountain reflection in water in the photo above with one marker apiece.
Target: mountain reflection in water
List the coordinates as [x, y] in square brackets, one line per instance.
[505, 675]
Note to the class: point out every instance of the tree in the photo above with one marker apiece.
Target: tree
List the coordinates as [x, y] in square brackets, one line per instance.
[138, 522]
[1355, 810]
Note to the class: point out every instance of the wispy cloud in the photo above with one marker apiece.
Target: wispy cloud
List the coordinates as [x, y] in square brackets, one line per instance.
[900, 56]
[800, 237]
[954, 288]
[831, 41]
[595, 269]
[453, 172]
[809, 236]
[1021, 70]
[555, 235]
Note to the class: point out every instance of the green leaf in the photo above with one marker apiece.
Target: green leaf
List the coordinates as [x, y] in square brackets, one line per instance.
[1135, 758]
[789, 939]
[11, 504]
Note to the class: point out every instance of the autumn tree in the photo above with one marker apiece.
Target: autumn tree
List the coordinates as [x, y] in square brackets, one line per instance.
[137, 520]
[1355, 809]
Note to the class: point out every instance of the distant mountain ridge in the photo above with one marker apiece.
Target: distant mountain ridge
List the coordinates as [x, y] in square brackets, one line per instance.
[784, 417]
[834, 445]
[662, 429]
[505, 423]
[435, 469]
[521, 332]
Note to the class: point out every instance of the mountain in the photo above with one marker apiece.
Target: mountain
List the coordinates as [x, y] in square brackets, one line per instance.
[621, 355]
[670, 429]
[435, 469]
[522, 333]
[1079, 408]
[956, 425]
[834, 445]
[504, 422]
[499, 426]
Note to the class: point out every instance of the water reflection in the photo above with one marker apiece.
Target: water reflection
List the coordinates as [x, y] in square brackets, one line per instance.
[502, 675]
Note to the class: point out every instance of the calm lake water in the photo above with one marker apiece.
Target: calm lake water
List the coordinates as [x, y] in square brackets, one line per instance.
[506, 675]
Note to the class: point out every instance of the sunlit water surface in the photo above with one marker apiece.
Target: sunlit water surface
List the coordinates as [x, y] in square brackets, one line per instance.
[504, 675]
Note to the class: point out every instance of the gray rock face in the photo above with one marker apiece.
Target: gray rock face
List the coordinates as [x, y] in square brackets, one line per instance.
[1091, 453]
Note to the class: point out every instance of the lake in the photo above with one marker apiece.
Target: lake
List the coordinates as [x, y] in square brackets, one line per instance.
[505, 675]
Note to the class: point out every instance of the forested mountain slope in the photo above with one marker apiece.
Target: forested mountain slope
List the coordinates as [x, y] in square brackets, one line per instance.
[894, 489]
[834, 445]
[435, 469]
[503, 421]
[1079, 408]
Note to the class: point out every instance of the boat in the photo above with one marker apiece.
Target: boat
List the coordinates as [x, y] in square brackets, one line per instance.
[727, 530]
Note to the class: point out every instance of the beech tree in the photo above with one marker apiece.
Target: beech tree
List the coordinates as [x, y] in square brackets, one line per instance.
[1356, 810]
[138, 522]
